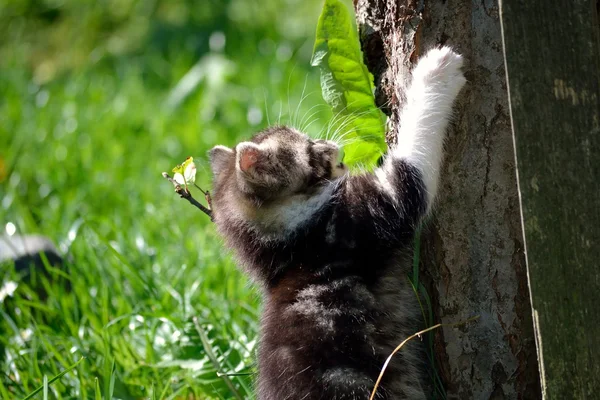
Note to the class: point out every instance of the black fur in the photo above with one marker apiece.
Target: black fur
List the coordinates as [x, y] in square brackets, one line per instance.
[328, 325]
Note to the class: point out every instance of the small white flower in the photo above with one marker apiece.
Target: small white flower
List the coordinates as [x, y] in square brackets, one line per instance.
[185, 173]
[7, 290]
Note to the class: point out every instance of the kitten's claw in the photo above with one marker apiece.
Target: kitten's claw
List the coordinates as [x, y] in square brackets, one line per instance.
[441, 67]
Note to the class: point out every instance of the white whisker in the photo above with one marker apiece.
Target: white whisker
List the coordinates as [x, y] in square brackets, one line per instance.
[266, 107]
[302, 97]
[307, 117]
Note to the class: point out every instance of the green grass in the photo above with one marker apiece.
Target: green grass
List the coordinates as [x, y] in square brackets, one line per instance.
[90, 118]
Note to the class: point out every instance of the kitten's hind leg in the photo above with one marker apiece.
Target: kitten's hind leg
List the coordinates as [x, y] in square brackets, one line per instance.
[437, 80]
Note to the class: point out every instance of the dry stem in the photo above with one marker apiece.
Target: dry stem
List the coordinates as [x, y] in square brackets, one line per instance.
[397, 349]
[184, 193]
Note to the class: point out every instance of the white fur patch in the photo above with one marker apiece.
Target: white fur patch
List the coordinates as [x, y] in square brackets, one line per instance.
[271, 144]
[287, 217]
[382, 175]
[313, 291]
[437, 80]
[346, 377]
[322, 316]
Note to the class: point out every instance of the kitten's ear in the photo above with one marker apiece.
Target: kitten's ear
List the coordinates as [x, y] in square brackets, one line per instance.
[220, 157]
[248, 154]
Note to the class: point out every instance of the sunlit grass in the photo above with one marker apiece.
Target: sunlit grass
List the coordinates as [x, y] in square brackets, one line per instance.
[148, 295]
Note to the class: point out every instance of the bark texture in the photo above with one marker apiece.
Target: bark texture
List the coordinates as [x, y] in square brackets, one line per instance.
[554, 79]
[471, 250]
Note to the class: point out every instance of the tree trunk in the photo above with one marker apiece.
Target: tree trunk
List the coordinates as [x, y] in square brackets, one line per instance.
[554, 86]
[471, 250]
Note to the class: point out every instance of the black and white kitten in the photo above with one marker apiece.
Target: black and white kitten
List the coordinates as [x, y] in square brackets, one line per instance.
[332, 250]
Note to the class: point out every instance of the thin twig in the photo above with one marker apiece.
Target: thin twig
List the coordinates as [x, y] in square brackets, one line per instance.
[213, 359]
[185, 194]
[207, 197]
[406, 340]
[200, 189]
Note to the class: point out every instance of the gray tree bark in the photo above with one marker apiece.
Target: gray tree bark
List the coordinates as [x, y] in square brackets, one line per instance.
[554, 86]
[471, 250]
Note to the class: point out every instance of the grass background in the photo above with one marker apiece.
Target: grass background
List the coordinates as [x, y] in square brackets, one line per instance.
[97, 98]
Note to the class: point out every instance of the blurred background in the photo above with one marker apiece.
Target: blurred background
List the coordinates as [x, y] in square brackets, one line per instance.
[97, 98]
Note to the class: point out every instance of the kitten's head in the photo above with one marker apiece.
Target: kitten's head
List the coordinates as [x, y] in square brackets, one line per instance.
[276, 163]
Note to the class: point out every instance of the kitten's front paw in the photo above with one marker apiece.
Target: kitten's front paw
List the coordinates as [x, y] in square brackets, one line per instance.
[441, 67]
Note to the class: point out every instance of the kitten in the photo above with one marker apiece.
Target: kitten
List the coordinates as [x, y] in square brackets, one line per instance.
[332, 251]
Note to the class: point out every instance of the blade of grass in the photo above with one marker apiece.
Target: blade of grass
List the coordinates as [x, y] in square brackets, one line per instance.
[213, 359]
[3, 390]
[111, 386]
[109, 369]
[83, 393]
[164, 392]
[237, 374]
[45, 386]
[57, 377]
[176, 393]
[98, 392]
[438, 384]
[416, 258]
